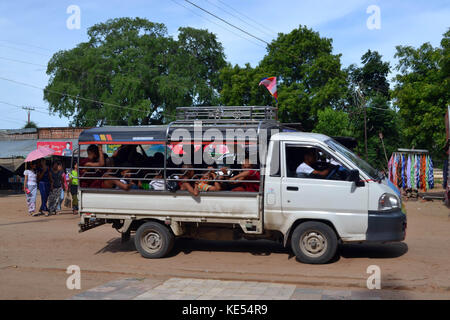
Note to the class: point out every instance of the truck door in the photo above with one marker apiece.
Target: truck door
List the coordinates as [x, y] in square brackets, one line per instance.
[308, 197]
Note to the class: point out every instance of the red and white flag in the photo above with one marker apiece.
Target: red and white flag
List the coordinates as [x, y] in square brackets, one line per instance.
[271, 85]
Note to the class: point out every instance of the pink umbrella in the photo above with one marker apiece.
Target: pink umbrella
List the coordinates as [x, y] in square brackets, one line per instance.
[40, 152]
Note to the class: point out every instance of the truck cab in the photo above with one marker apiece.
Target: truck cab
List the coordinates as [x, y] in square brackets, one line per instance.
[361, 207]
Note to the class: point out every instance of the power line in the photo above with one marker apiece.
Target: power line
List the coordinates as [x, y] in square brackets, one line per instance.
[228, 23]
[37, 109]
[69, 95]
[61, 68]
[213, 22]
[26, 44]
[247, 17]
[26, 51]
[239, 18]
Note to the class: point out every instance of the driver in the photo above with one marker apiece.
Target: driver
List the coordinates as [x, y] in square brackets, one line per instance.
[306, 167]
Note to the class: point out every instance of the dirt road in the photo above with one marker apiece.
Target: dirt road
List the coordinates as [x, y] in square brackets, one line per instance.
[35, 252]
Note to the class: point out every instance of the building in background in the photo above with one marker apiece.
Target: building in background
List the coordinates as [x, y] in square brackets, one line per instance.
[16, 144]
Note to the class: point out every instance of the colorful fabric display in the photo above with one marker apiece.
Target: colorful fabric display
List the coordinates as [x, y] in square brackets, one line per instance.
[411, 170]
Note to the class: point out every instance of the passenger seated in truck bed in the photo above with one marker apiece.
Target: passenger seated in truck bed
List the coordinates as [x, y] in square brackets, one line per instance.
[188, 185]
[249, 174]
[120, 182]
[204, 185]
[95, 158]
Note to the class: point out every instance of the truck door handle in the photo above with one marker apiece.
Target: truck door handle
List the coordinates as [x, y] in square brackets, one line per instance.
[292, 188]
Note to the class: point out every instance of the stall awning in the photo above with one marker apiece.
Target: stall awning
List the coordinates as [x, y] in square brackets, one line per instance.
[16, 148]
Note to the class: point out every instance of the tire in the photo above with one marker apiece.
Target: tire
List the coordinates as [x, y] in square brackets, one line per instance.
[314, 242]
[153, 240]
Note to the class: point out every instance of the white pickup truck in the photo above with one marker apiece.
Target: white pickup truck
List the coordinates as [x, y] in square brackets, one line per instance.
[352, 203]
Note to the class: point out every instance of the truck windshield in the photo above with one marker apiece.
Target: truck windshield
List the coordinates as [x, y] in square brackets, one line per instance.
[360, 163]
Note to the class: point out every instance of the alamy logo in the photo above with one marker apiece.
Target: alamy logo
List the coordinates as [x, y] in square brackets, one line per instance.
[374, 21]
[374, 280]
[74, 280]
[74, 20]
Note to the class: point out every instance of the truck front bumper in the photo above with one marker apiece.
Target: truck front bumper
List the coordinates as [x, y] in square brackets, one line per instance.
[386, 226]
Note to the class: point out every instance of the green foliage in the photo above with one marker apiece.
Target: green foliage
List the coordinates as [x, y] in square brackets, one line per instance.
[30, 124]
[334, 123]
[309, 77]
[133, 63]
[422, 93]
[369, 92]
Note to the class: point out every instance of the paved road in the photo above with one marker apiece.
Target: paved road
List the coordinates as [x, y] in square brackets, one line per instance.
[207, 289]
[35, 252]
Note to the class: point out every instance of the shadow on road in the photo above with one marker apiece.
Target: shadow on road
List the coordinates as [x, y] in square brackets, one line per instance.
[254, 247]
[379, 250]
[263, 248]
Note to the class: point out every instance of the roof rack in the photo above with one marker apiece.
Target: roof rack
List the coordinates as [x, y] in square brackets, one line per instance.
[221, 114]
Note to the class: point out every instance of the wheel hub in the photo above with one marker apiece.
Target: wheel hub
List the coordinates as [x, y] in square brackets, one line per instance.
[152, 241]
[313, 243]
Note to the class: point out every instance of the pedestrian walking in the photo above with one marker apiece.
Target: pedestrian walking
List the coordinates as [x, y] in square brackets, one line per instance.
[73, 181]
[64, 185]
[56, 184]
[30, 187]
[43, 184]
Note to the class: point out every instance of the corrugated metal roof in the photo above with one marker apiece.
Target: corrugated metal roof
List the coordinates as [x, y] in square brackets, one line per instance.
[21, 148]
[16, 148]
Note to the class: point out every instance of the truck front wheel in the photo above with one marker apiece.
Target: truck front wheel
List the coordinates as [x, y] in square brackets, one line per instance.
[153, 240]
[314, 242]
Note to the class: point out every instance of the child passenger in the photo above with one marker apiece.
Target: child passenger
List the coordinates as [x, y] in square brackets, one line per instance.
[204, 185]
[158, 182]
[187, 185]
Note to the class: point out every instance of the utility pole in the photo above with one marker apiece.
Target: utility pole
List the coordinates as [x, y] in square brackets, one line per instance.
[363, 105]
[384, 149]
[28, 109]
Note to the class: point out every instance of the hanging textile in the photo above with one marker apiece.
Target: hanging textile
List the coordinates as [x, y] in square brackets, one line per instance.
[408, 172]
[417, 172]
[430, 173]
[423, 169]
[411, 170]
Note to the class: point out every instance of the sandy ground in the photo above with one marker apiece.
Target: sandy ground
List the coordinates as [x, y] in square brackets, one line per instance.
[35, 252]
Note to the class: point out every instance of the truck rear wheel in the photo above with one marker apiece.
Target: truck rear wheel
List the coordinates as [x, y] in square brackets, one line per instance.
[153, 240]
[314, 242]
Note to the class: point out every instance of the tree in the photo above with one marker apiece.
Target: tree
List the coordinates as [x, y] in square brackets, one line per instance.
[422, 93]
[30, 124]
[131, 72]
[333, 123]
[309, 77]
[369, 93]
[240, 86]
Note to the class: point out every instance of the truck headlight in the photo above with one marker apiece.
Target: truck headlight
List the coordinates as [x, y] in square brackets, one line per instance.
[388, 202]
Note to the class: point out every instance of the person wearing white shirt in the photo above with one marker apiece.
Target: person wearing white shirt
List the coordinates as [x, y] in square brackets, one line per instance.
[30, 187]
[306, 167]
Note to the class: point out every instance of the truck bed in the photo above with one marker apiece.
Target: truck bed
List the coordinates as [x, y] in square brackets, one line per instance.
[223, 204]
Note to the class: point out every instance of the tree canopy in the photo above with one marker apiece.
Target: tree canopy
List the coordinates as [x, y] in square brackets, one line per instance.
[131, 72]
[309, 77]
[422, 93]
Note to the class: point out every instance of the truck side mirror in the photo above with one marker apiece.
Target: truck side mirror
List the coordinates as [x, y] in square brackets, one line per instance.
[354, 177]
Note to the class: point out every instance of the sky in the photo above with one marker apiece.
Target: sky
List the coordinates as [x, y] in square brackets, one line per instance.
[32, 31]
